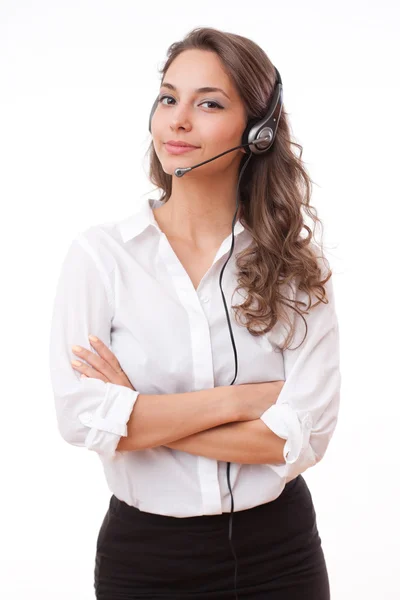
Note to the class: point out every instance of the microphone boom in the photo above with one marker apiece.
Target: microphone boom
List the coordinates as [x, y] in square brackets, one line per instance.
[179, 172]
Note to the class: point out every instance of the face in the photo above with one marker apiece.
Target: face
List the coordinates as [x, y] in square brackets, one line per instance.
[212, 121]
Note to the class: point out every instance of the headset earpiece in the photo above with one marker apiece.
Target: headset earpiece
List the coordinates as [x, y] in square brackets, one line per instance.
[266, 127]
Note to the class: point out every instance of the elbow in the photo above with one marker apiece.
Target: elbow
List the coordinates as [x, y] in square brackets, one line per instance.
[319, 444]
[73, 428]
[95, 416]
[103, 443]
[322, 434]
[71, 432]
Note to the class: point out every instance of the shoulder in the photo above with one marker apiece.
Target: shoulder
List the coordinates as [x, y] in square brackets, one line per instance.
[102, 233]
[101, 241]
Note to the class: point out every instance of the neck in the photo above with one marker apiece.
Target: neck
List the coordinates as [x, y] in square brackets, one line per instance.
[199, 215]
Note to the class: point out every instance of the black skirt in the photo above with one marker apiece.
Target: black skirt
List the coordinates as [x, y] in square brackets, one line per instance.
[277, 545]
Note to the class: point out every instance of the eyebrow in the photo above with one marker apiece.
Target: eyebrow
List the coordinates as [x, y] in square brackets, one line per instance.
[199, 90]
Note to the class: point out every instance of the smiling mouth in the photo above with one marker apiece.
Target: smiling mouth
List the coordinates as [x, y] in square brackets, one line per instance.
[178, 145]
[172, 149]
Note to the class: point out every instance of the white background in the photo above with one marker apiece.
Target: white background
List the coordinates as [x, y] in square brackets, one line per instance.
[77, 81]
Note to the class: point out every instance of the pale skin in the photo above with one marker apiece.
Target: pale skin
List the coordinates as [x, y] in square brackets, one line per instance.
[198, 215]
[243, 442]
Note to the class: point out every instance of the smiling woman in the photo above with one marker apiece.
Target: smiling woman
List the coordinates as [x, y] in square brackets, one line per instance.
[184, 446]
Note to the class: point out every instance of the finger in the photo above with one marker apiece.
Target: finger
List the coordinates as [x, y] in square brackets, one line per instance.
[105, 352]
[95, 361]
[88, 371]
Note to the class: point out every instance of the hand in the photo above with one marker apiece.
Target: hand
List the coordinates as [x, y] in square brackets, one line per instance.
[104, 367]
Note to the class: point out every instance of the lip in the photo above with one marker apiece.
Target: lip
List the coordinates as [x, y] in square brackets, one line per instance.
[176, 148]
[180, 143]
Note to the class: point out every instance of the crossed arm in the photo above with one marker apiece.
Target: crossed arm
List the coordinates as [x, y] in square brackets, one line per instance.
[250, 442]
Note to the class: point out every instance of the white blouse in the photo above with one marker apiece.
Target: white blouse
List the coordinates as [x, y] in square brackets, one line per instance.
[123, 282]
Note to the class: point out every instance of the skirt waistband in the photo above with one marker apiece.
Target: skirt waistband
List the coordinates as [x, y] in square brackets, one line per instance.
[126, 511]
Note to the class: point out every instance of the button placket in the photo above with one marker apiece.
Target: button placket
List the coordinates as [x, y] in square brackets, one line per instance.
[203, 369]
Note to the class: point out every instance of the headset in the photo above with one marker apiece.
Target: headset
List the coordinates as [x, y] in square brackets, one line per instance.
[257, 138]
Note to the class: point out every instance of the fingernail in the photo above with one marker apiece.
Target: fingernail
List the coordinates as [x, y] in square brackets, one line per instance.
[93, 338]
[76, 363]
[76, 348]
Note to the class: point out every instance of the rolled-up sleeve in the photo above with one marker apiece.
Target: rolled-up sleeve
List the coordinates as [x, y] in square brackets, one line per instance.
[306, 411]
[90, 413]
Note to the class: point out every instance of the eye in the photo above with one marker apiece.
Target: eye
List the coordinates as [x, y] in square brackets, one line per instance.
[216, 105]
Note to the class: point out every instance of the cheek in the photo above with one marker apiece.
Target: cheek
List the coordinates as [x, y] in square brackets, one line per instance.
[225, 132]
[223, 140]
[158, 138]
[156, 129]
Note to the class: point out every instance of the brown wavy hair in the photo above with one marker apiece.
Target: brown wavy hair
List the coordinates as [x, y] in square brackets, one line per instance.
[274, 189]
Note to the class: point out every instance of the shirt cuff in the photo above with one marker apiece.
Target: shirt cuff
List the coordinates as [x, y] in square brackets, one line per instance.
[285, 423]
[109, 422]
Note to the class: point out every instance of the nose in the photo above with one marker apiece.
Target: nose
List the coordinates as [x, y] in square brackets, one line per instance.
[180, 117]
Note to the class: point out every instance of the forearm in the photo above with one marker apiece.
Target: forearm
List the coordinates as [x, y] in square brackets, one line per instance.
[159, 419]
[250, 442]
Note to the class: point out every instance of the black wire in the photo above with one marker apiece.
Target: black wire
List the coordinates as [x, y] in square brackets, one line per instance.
[228, 465]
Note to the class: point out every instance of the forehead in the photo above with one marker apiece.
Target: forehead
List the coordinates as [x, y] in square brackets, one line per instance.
[193, 69]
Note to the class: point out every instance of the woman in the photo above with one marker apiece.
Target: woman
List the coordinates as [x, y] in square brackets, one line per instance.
[208, 500]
